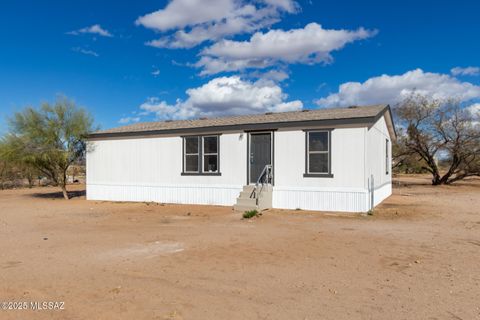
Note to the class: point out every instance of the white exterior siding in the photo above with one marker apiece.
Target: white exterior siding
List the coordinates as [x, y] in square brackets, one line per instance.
[149, 169]
[376, 169]
[344, 192]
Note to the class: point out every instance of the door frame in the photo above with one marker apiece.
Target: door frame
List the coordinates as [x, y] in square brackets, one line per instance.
[272, 153]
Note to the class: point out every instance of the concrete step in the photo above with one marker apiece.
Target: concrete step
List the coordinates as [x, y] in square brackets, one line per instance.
[241, 208]
[248, 188]
[245, 194]
[246, 202]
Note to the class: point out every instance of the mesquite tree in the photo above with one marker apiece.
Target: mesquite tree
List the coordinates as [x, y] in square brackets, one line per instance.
[440, 132]
[49, 139]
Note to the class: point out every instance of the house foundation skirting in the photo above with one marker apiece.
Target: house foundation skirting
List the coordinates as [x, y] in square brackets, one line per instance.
[182, 194]
[318, 199]
[321, 199]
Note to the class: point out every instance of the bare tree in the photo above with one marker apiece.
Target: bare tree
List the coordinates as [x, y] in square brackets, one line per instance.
[441, 132]
[403, 160]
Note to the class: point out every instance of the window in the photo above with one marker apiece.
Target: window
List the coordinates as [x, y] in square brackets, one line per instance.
[201, 155]
[317, 157]
[210, 154]
[191, 159]
[387, 160]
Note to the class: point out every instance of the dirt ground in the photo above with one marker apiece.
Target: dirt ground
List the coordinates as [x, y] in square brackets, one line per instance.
[417, 257]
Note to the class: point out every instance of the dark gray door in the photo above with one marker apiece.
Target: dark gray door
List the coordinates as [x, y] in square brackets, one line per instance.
[260, 154]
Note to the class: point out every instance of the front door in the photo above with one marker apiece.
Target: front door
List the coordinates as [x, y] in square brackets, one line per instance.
[260, 154]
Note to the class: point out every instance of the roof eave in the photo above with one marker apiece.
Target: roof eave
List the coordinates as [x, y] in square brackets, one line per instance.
[243, 127]
[390, 122]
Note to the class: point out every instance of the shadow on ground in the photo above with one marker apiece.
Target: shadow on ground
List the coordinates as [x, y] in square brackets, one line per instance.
[59, 194]
[400, 181]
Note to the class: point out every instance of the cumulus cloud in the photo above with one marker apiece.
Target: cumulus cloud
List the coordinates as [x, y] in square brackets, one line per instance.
[468, 71]
[287, 5]
[271, 75]
[94, 29]
[309, 45]
[224, 96]
[182, 13]
[474, 109]
[196, 21]
[393, 89]
[129, 120]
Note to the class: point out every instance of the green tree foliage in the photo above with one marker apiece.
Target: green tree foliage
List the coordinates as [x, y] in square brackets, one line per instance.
[49, 139]
[14, 172]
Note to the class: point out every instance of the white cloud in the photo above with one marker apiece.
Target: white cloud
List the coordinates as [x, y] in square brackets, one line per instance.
[271, 75]
[94, 29]
[468, 71]
[129, 120]
[309, 45]
[85, 51]
[224, 96]
[287, 5]
[216, 65]
[161, 108]
[196, 21]
[182, 13]
[393, 89]
[474, 109]
[155, 72]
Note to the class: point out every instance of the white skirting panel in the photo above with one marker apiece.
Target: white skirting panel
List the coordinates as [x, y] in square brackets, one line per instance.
[381, 193]
[184, 194]
[353, 200]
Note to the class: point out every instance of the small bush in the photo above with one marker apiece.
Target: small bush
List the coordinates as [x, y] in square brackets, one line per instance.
[370, 212]
[250, 214]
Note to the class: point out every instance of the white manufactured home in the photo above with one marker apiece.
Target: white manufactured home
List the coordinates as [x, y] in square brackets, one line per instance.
[326, 159]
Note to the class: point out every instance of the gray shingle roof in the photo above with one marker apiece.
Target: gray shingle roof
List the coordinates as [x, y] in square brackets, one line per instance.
[242, 120]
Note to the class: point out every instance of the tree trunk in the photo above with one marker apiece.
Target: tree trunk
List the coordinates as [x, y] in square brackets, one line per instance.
[2, 176]
[64, 191]
[30, 181]
[63, 184]
[436, 180]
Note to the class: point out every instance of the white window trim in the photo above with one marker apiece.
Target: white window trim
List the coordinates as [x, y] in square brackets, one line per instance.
[318, 152]
[185, 154]
[210, 154]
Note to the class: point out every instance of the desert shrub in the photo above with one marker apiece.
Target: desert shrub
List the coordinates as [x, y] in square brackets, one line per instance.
[250, 214]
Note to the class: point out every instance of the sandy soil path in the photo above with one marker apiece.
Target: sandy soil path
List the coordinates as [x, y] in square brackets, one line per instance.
[417, 257]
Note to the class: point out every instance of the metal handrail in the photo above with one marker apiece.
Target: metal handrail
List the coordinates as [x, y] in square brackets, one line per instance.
[267, 171]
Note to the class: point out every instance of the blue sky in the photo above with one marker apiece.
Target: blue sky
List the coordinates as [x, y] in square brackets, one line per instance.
[257, 56]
